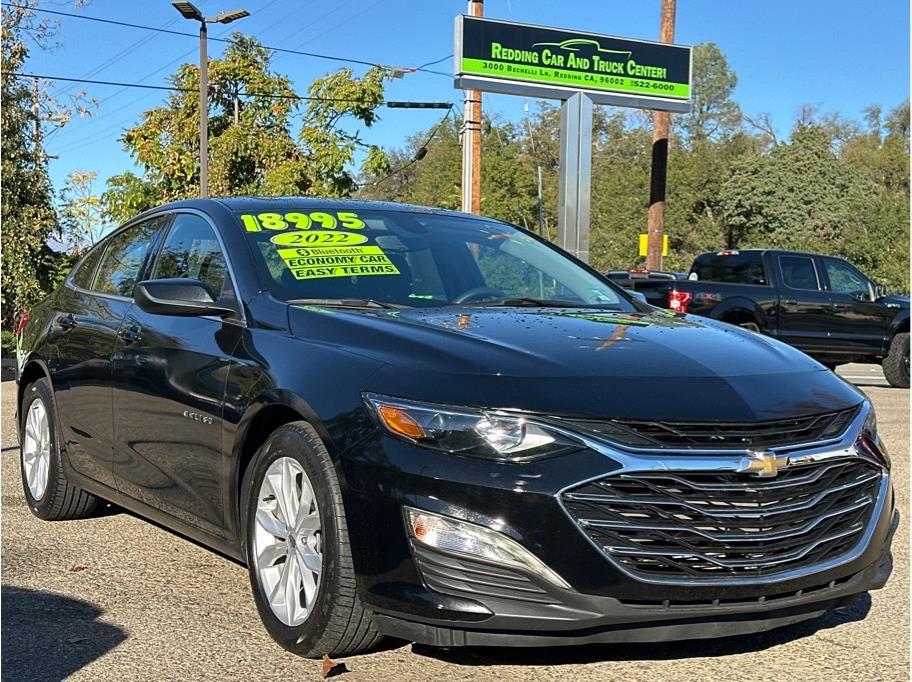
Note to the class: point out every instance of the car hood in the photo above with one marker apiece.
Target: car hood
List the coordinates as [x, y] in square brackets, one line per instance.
[898, 300]
[585, 362]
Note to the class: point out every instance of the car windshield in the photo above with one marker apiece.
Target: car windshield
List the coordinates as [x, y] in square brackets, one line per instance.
[416, 259]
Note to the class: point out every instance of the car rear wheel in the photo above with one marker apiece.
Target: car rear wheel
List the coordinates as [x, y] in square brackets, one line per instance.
[49, 494]
[297, 546]
[896, 364]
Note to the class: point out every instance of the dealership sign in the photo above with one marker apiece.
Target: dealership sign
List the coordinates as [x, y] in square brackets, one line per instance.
[536, 61]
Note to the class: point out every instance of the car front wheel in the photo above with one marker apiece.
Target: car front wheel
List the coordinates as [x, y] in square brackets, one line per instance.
[298, 553]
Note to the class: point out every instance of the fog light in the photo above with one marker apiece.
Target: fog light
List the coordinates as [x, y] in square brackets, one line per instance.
[462, 537]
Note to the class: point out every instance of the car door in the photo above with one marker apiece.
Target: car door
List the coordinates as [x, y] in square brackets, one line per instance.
[859, 323]
[92, 307]
[170, 375]
[804, 307]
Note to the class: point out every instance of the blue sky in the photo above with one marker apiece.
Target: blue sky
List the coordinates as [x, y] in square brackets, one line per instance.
[839, 56]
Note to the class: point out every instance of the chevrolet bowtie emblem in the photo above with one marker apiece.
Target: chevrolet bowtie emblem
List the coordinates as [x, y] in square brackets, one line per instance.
[764, 464]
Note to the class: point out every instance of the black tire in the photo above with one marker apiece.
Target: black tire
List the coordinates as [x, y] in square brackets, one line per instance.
[61, 499]
[896, 364]
[338, 625]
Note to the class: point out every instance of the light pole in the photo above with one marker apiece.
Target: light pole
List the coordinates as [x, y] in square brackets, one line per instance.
[189, 11]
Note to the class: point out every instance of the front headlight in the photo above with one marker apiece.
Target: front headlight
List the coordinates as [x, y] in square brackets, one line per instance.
[468, 431]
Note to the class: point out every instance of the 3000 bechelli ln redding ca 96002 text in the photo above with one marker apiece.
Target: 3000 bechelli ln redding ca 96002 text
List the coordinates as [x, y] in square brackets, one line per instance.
[437, 427]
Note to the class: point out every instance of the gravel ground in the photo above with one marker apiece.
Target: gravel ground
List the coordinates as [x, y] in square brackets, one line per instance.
[117, 598]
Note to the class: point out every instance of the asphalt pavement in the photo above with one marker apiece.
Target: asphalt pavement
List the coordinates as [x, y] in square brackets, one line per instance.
[116, 598]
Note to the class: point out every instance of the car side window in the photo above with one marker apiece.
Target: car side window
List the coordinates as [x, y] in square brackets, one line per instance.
[84, 272]
[124, 257]
[798, 272]
[192, 250]
[845, 279]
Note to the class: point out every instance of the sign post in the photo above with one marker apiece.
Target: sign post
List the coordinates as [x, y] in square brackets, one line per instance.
[580, 69]
[574, 185]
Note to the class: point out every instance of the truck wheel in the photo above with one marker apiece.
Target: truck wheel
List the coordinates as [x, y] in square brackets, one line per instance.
[896, 364]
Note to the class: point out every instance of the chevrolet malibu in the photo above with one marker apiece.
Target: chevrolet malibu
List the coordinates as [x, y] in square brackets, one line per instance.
[439, 428]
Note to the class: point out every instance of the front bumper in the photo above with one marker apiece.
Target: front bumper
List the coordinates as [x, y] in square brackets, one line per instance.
[434, 597]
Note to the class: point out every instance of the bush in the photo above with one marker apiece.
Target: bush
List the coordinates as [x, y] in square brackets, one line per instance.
[7, 344]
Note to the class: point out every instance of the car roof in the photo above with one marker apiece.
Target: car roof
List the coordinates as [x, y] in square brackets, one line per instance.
[783, 251]
[255, 204]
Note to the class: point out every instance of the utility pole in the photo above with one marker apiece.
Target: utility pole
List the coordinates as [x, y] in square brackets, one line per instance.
[661, 124]
[471, 139]
[36, 115]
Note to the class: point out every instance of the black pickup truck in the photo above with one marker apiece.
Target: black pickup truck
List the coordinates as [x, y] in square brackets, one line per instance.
[822, 305]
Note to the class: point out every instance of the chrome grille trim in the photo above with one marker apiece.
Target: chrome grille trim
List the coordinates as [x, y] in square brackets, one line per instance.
[747, 537]
[829, 455]
[734, 514]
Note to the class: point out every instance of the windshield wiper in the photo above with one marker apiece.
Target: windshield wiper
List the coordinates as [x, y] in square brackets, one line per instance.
[346, 302]
[524, 301]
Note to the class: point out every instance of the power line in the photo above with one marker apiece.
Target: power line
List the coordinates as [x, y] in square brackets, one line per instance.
[389, 103]
[420, 154]
[285, 50]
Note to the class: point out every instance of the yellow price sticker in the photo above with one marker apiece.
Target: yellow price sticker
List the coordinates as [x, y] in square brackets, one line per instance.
[257, 222]
[318, 238]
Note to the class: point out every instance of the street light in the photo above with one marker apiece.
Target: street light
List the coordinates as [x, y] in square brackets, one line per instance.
[189, 11]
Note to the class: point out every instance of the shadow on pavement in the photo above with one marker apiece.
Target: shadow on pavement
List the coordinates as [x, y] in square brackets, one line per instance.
[700, 648]
[50, 636]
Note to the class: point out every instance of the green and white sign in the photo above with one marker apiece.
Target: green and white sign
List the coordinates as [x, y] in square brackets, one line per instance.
[537, 61]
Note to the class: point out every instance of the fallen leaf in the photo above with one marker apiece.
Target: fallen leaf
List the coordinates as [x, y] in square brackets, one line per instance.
[76, 640]
[76, 568]
[331, 668]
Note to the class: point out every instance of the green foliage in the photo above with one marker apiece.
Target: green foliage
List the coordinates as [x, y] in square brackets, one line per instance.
[128, 195]
[26, 211]
[83, 216]
[713, 114]
[7, 344]
[252, 147]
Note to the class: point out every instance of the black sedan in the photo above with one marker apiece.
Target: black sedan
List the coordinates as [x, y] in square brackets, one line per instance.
[437, 427]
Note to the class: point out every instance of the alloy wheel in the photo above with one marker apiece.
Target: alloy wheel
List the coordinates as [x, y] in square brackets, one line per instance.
[287, 542]
[36, 449]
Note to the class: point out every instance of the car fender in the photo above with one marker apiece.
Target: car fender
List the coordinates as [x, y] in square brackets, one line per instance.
[899, 324]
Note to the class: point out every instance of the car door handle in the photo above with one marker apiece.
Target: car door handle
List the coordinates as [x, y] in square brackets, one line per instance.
[789, 301]
[129, 334]
[67, 322]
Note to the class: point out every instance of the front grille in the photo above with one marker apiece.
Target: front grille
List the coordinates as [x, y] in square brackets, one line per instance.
[686, 525]
[720, 435]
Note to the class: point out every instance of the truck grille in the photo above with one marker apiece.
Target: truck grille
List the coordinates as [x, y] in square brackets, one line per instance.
[720, 435]
[686, 525]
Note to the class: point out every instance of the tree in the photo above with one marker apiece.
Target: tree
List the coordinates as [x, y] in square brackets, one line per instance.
[83, 217]
[713, 113]
[800, 196]
[252, 147]
[27, 211]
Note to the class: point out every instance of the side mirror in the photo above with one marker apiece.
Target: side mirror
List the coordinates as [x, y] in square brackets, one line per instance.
[178, 296]
[638, 295]
[880, 291]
